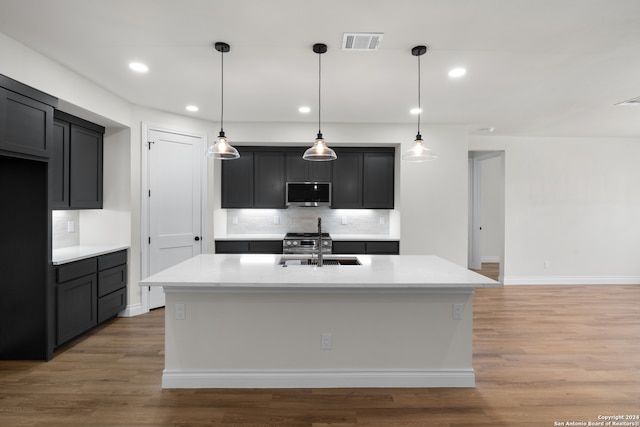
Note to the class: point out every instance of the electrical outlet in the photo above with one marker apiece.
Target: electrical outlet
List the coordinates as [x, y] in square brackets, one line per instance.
[382, 220]
[326, 342]
[344, 220]
[276, 220]
[547, 264]
[180, 311]
[458, 310]
[234, 220]
[71, 227]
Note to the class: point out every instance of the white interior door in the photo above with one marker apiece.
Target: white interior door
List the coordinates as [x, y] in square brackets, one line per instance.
[175, 201]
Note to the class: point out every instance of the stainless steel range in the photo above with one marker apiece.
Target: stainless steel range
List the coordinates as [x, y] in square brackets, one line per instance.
[306, 243]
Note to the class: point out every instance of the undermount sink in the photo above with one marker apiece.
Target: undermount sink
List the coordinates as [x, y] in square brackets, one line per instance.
[327, 260]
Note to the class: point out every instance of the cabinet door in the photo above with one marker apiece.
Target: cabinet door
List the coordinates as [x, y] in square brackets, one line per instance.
[85, 165]
[348, 247]
[378, 174]
[232, 246]
[237, 181]
[76, 307]
[300, 170]
[25, 125]
[347, 181]
[383, 247]
[265, 247]
[269, 185]
[60, 164]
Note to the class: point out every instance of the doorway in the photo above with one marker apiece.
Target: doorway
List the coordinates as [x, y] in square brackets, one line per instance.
[173, 202]
[486, 210]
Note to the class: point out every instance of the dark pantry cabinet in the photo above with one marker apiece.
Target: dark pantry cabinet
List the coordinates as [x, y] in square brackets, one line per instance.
[26, 298]
[77, 163]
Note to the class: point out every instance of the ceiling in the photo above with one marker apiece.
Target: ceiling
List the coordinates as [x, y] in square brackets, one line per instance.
[534, 67]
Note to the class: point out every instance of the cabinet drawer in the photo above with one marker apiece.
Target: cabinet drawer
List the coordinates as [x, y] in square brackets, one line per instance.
[383, 248]
[112, 304]
[343, 247]
[265, 247]
[111, 280]
[76, 269]
[112, 260]
[232, 246]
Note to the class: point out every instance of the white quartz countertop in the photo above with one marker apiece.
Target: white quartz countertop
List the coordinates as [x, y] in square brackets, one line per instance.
[77, 253]
[259, 271]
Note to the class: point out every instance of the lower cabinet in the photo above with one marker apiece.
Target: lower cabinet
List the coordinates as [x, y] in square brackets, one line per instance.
[375, 247]
[248, 246]
[88, 292]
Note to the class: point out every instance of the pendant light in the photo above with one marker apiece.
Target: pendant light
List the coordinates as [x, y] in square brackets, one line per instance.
[419, 153]
[222, 149]
[319, 152]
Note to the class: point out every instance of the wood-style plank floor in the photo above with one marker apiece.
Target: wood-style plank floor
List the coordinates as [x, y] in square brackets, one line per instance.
[543, 355]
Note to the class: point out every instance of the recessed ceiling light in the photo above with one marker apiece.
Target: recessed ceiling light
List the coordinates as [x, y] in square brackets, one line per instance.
[304, 110]
[487, 129]
[415, 111]
[192, 108]
[457, 72]
[139, 67]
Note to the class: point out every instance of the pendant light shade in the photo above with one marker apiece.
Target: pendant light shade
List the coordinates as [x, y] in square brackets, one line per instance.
[222, 149]
[319, 152]
[418, 152]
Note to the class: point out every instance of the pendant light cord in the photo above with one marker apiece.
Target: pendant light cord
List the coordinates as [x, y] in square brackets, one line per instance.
[221, 90]
[419, 90]
[319, 87]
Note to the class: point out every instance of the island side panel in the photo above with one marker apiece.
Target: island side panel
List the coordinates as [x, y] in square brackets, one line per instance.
[274, 339]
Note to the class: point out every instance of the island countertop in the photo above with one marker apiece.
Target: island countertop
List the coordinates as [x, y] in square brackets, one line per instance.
[233, 271]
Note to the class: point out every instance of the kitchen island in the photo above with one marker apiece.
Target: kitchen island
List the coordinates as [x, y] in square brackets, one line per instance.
[252, 321]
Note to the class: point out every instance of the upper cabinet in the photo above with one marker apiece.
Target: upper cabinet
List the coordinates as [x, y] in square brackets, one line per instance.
[77, 163]
[362, 178]
[300, 170]
[255, 180]
[26, 115]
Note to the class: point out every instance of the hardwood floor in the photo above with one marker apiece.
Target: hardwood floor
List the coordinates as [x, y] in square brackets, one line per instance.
[542, 355]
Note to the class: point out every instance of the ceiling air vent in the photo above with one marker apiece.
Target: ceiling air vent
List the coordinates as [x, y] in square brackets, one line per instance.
[361, 41]
[634, 101]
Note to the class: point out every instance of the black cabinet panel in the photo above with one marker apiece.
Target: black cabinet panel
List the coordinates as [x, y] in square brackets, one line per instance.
[347, 181]
[85, 167]
[60, 164]
[300, 170]
[111, 260]
[77, 163]
[378, 170]
[269, 180]
[232, 247]
[25, 125]
[265, 247]
[237, 181]
[111, 280]
[112, 304]
[77, 307]
[381, 247]
[348, 247]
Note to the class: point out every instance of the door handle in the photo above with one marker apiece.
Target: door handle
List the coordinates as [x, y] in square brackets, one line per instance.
[197, 238]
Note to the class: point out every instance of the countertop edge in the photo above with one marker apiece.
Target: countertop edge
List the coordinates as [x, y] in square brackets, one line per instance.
[77, 253]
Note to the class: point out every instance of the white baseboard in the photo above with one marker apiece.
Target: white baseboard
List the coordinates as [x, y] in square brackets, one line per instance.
[490, 258]
[131, 310]
[571, 280]
[172, 378]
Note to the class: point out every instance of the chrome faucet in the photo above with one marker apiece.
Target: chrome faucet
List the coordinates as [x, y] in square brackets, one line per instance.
[319, 243]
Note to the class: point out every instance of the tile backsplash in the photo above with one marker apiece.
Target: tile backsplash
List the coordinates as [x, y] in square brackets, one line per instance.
[300, 219]
[65, 229]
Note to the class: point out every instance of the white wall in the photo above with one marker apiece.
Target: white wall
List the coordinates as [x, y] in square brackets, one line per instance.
[574, 202]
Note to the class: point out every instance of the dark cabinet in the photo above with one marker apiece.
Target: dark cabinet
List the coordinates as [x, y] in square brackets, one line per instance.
[375, 247]
[26, 116]
[248, 246]
[88, 292]
[300, 170]
[364, 179]
[77, 163]
[255, 180]
[269, 181]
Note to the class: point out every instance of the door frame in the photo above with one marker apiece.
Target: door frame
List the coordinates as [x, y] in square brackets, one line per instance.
[144, 199]
[474, 260]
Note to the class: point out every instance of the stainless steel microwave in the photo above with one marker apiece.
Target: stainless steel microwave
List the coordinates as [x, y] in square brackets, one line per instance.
[308, 194]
